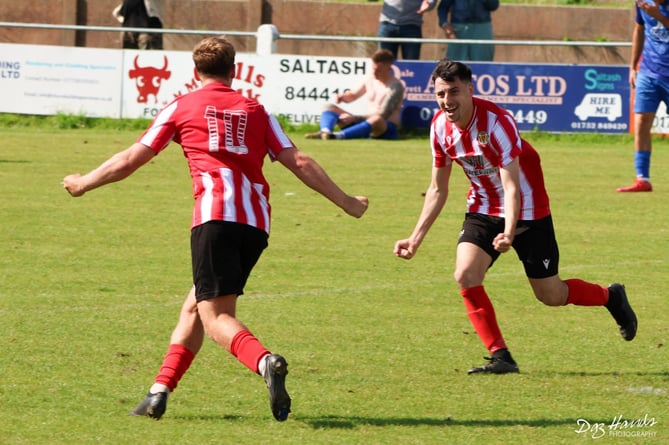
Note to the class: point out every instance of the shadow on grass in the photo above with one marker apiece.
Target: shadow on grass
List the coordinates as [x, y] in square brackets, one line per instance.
[342, 422]
[352, 422]
[212, 417]
[664, 374]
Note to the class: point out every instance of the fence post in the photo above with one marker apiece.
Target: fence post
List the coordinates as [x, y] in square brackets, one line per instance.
[69, 38]
[266, 38]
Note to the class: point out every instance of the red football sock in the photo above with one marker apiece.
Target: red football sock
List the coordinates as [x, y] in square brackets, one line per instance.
[582, 293]
[248, 349]
[175, 364]
[482, 315]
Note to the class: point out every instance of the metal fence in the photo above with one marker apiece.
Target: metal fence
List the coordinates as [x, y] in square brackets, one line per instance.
[267, 35]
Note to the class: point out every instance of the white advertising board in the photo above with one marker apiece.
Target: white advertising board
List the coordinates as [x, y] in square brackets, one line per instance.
[38, 79]
[301, 85]
[295, 87]
[94, 82]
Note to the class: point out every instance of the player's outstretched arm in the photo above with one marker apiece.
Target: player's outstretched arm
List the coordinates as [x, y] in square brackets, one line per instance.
[114, 169]
[435, 199]
[312, 174]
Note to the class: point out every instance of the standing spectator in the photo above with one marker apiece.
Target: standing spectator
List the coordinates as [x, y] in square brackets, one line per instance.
[650, 43]
[468, 19]
[225, 138]
[507, 207]
[385, 96]
[140, 14]
[403, 18]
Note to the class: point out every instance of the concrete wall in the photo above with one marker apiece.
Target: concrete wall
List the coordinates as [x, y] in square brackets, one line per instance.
[510, 22]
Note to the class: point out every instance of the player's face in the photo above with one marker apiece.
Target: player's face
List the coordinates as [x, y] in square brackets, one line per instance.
[455, 98]
[381, 70]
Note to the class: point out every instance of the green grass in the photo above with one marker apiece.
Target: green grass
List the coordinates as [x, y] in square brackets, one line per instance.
[378, 347]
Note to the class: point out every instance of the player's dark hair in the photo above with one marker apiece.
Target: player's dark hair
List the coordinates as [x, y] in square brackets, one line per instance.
[450, 70]
[214, 57]
[383, 56]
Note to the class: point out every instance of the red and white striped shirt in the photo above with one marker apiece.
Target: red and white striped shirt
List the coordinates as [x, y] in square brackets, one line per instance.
[490, 141]
[225, 138]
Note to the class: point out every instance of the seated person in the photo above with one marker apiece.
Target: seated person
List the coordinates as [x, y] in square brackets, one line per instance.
[385, 95]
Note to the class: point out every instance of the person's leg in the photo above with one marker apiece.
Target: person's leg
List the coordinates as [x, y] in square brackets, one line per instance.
[391, 131]
[389, 30]
[537, 248]
[143, 40]
[220, 324]
[374, 126]
[553, 291]
[643, 145]
[481, 52]
[185, 343]
[361, 130]
[328, 121]
[458, 51]
[218, 317]
[156, 40]
[472, 263]
[223, 256]
[410, 50]
[647, 96]
[130, 40]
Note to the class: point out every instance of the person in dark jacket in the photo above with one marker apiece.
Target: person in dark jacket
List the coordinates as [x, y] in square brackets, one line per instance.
[471, 20]
[140, 14]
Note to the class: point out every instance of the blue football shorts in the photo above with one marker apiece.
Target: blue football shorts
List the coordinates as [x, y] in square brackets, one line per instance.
[649, 92]
[391, 131]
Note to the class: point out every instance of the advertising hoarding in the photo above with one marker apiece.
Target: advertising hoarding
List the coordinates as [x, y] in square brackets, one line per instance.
[39, 79]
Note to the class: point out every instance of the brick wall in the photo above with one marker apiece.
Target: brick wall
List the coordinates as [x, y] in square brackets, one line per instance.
[510, 22]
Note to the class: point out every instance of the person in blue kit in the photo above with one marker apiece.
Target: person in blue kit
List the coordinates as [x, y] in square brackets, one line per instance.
[403, 18]
[385, 96]
[471, 20]
[650, 82]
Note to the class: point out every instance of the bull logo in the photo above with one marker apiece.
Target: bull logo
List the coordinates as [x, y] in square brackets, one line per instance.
[148, 80]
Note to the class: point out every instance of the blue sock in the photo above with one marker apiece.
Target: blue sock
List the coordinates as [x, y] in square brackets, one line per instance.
[361, 130]
[642, 164]
[328, 120]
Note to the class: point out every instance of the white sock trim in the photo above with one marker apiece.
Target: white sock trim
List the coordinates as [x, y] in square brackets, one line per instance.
[262, 364]
[159, 387]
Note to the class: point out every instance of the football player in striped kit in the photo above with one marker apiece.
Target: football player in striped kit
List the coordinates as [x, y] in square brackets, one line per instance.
[507, 207]
[225, 138]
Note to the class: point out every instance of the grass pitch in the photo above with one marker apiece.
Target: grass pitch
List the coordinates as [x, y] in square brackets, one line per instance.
[378, 347]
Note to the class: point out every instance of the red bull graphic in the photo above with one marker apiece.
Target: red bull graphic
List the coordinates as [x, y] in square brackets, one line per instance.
[153, 79]
[148, 79]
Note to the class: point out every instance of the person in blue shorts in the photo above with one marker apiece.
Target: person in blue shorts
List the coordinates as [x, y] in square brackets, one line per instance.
[650, 82]
[384, 94]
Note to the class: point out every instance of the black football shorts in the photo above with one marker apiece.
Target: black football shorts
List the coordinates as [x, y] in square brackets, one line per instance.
[223, 255]
[534, 243]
